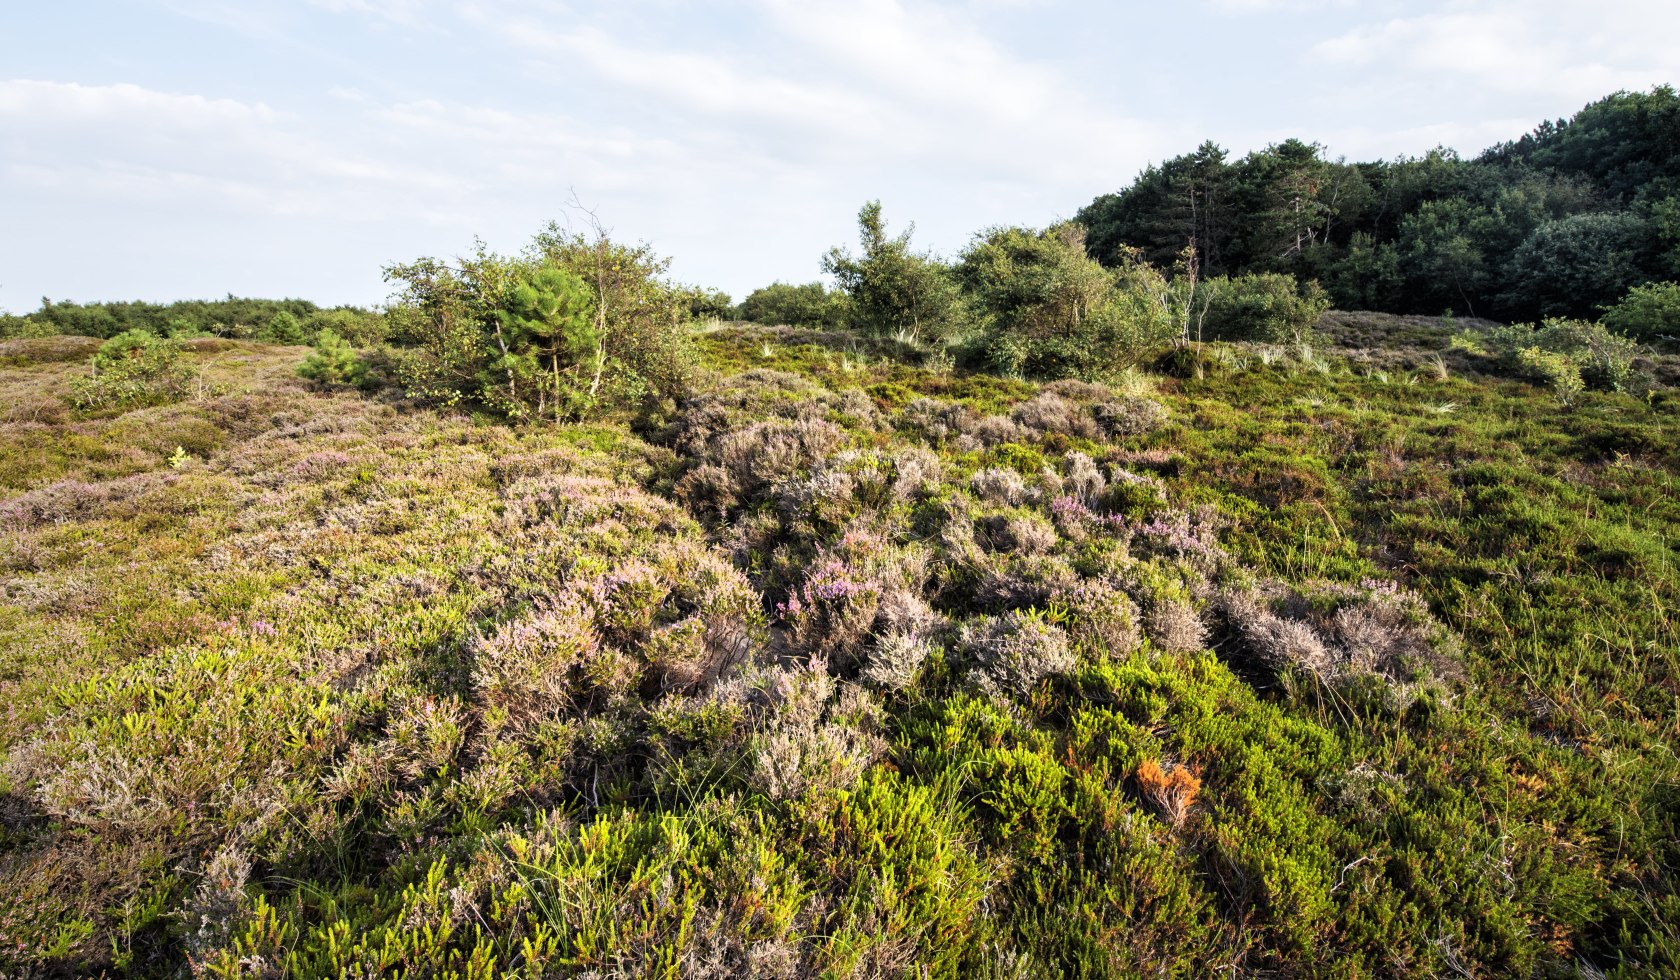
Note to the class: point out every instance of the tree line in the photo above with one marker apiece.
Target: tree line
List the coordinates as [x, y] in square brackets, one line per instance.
[1561, 222]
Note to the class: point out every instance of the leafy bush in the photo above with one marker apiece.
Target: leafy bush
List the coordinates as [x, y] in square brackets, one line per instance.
[893, 291]
[284, 328]
[1139, 312]
[1647, 312]
[230, 317]
[808, 305]
[133, 369]
[709, 304]
[1264, 307]
[578, 324]
[359, 328]
[1568, 354]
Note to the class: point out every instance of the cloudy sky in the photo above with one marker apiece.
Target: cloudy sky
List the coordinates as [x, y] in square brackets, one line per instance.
[161, 149]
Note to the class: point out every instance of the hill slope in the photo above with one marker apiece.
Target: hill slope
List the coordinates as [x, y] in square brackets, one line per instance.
[1363, 663]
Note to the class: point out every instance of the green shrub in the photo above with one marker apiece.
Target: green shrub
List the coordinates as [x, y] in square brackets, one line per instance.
[1264, 307]
[576, 325]
[283, 328]
[1064, 322]
[709, 304]
[132, 369]
[808, 305]
[1647, 312]
[1569, 355]
[334, 361]
[893, 291]
[360, 328]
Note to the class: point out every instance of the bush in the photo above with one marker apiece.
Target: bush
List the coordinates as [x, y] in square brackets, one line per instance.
[1568, 354]
[1015, 651]
[1268, 308]
[1647, 312]
[133, 369]
[1140, 312]
[359, 328]
[334, 361]
[284, 328]
[576, 325]
[809, 305]
[893, 291]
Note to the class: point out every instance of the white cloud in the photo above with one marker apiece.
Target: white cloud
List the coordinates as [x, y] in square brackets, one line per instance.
[1559, 48]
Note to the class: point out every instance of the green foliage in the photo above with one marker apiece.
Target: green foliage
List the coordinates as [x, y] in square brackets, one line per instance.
[1316, 663]
[1049, 311]
[333, 361]
[1584, 261]
[230, 317]
[892, 290]
[1561, 222]
[808, 305]
[710, 304]
[1647, 312]
[284, 328]
[360, 328]
[1265, 307]
[133, 369]
[576, 325]
[1569, 354]
[550, 342]
[641, 317]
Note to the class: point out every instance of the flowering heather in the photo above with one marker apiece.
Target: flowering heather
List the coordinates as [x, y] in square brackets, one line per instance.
[838, 666]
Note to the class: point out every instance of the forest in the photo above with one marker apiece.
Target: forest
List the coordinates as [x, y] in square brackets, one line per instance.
[1272, 571]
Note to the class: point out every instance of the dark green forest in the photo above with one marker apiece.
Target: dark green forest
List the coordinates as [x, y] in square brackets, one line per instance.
[1561, 222]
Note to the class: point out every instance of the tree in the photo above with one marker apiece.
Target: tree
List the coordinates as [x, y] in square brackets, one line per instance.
[1578, 265]
[1185, 199]
[133, 369]
[576, 323]
[1443, 256]
[546, 329]
[640, 316]
[1035, 284]
[893, 291]
[1647, 312]
[333, 361]
[283, 328]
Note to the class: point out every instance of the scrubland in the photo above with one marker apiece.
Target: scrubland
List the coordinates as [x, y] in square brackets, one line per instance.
[1356, 661]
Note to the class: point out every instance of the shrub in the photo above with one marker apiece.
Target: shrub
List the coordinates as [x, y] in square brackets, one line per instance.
[1012, 653]
[893, 291]
[133, 369]
[1647, 312]
[1174, 627]
[577, 324]
[1171, 790]
[1568, 354]
[808, 305]
[333, 361]
[283, 328]
[1267, 308]
[360, 328]
[999, 486]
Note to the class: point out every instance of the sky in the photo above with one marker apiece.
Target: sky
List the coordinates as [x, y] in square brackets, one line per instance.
[171, 149]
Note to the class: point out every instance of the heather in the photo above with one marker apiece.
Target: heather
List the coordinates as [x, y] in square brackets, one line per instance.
[825, 659]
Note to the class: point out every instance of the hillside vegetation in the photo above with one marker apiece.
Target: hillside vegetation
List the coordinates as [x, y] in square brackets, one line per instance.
[1358, 662]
